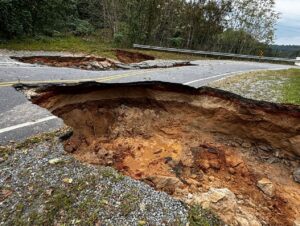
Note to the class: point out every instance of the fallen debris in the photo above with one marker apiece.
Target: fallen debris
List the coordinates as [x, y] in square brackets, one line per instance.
[266, 186]
[208, 143]
[296, 175]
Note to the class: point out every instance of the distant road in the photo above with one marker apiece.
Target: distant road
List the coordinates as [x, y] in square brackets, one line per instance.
[20, 119]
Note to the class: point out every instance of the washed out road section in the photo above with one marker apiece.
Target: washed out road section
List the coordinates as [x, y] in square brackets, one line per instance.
[19, 116]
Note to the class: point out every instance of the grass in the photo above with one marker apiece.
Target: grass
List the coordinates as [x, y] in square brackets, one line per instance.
[87, 45]
[62, 204]
[200, 217]
[282, 86]
[291, 89]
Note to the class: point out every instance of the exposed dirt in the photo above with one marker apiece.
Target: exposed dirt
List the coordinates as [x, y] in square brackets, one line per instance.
[184, 140]
[128, 57]
[87, 63]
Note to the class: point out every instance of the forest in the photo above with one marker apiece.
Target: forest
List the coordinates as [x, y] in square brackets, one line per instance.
[236, 26]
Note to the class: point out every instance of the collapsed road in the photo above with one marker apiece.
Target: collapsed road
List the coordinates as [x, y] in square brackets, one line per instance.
[20, 119]
[203, 146]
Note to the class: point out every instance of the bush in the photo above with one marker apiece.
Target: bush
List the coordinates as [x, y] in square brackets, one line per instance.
[81, 28]
[176, 42]
[119, 38]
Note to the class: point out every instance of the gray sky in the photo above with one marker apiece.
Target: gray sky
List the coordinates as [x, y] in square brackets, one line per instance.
[288, 29]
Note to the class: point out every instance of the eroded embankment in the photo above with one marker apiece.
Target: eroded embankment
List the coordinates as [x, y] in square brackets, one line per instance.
[204, 146]
[88, 62]
[80, 62]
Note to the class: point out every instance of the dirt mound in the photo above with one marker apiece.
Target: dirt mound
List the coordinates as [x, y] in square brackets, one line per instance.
[128, 57]
[205, 146]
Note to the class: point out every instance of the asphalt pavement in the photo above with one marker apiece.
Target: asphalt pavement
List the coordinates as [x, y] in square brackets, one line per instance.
[20, 119]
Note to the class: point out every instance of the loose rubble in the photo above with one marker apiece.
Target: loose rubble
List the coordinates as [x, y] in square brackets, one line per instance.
[266, 186]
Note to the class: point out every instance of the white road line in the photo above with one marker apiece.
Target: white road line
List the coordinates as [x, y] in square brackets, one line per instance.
[216, 76]
[231, 74]
[7, 129]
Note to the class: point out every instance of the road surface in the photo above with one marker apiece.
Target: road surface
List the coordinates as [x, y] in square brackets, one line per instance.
[20, 119]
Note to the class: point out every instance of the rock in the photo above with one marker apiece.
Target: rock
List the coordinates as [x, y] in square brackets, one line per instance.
[215, 164]
[266, 186]
[265, 148]
[141, 222]
[296, 175]
[224, 203]
[142, 207]
[211, 178]
[231, 170]
[96, 65]
[190, 196]
[68, 180]
[272, 160]
[55, 161]
[246, 219]
[49, 192]
[220, 200]
[4, 193]
[167, 184]
[246, 144]
[233, 161]
[295, 143]
[297, 222]
[2, 160]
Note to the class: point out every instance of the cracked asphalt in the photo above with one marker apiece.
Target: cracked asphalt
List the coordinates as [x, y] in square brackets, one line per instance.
[21, 119]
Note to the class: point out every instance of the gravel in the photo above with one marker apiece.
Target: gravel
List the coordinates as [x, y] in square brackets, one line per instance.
[262, 87]
[43, 185]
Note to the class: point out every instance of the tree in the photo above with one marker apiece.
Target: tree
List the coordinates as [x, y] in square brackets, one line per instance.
[256, 17]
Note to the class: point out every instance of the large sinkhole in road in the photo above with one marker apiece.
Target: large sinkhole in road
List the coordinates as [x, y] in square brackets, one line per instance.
[184, 140]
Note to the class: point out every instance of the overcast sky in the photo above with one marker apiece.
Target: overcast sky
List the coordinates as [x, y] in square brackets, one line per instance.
[288, 29]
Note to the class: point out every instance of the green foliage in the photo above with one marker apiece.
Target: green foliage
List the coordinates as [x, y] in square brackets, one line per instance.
[176, 42]
[81, 28]
[30, 18]
[239, 41]
[291, 90]
[201, 217]
[218, 25]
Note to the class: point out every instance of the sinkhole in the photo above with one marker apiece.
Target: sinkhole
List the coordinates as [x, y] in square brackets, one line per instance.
[183, 140]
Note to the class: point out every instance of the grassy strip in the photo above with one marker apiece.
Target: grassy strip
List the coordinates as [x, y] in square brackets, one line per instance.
[282, 86]
[291, 89]
[88, 45]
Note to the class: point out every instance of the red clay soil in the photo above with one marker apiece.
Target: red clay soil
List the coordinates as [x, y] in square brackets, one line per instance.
[183, 140]
[128, 57]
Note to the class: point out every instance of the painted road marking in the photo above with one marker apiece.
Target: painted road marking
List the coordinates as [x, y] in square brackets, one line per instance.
[225, 75]
[7, 129]
[216, 76]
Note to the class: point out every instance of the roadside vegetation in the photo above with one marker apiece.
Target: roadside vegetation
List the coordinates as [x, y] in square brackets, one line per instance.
[282, 86]
[89, 45]
[237, 26]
